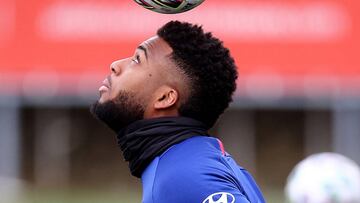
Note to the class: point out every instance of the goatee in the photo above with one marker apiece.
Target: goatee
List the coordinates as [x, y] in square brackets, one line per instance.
[119, 112]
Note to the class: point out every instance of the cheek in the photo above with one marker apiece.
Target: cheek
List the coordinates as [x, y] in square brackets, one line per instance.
[140, 83]
[146, 87]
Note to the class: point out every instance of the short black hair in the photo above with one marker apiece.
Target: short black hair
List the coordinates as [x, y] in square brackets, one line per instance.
[208, 65]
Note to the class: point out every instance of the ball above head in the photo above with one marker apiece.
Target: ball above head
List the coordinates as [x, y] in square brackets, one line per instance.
[169, 6]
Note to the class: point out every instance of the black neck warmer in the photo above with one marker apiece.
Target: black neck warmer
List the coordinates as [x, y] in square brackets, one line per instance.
[146, 139]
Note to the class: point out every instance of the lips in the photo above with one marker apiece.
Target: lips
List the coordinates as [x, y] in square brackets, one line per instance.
[105, 86]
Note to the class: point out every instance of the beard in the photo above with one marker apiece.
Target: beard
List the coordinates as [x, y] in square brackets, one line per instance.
[119, 112]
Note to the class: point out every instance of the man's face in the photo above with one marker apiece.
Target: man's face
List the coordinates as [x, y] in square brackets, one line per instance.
[127, 92]
[141, 73]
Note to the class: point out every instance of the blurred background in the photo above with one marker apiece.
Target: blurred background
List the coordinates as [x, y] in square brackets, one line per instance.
[298, 90]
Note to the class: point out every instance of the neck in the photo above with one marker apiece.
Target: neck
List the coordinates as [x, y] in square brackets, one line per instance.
[153, 114]
[146, 139]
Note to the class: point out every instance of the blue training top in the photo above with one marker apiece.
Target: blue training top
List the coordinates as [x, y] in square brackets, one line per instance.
[198, 170]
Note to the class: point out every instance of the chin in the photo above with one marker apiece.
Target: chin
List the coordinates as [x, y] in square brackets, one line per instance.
[103, 99]
[119, 112]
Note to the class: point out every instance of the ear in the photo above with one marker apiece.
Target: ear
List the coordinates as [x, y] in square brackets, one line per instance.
[166, 97]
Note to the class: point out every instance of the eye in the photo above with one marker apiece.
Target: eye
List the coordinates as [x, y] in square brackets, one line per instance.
[136, 59]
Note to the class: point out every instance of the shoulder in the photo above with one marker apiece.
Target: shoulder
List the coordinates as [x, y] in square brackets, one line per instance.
[191, 157]
[199, 145]
[192, 170]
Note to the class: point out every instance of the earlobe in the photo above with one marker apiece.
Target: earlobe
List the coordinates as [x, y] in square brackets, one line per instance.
[167, 99]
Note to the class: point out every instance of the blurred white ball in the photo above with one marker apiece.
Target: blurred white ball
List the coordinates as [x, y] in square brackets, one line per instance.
[324, 178]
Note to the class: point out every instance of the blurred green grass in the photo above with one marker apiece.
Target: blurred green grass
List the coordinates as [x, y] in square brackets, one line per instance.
[274, 195]
[80, 196]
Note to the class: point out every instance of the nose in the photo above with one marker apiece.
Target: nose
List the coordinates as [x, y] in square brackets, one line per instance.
[115, 67]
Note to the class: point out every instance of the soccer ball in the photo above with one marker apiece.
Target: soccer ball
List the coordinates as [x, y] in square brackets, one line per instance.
[324, 178]
[169, 6]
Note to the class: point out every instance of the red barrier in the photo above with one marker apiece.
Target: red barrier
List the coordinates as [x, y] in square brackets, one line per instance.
[282, 48]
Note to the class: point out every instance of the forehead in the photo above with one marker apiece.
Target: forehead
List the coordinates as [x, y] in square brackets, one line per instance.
[156, 47]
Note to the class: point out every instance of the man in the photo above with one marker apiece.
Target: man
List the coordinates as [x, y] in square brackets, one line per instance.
[161, 101]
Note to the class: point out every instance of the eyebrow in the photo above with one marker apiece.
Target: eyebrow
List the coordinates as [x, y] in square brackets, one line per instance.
[141, 47]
